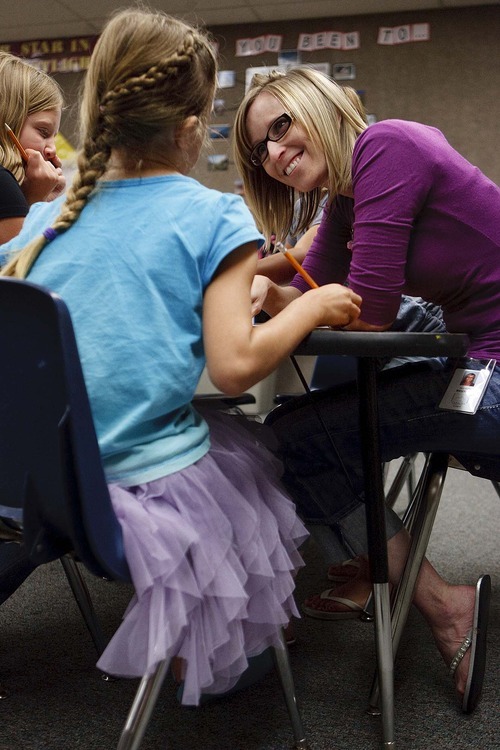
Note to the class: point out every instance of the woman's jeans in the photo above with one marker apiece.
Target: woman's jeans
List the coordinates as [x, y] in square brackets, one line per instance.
[323, 471]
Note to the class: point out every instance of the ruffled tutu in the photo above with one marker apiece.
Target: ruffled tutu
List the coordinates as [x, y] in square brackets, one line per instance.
[212, 551]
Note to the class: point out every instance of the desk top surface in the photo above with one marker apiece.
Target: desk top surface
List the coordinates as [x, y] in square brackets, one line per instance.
[383, 343]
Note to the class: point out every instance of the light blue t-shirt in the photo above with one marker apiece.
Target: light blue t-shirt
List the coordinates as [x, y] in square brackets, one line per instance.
[133, 270]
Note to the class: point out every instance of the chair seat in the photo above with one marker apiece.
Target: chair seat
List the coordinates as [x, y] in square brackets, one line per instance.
[477, 464]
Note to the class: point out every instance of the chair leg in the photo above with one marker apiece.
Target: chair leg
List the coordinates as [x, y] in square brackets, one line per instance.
[149, 688]
[142, 708]
[496, 485]
[82, 596]
[404, 475]
[284, 670]
[385, 660]
[421, 520]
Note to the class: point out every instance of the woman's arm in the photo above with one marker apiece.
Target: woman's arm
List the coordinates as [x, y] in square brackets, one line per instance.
[277, 268]
[329, 256]
[240, 354]
[393, 176]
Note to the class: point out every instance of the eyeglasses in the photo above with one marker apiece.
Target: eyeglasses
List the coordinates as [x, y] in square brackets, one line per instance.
[278, 128]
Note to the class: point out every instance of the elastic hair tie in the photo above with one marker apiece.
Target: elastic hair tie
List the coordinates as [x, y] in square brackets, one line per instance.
[50, 234]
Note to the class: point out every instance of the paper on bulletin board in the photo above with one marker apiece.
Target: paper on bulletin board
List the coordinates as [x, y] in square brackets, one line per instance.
[250, 72]
[226, 79]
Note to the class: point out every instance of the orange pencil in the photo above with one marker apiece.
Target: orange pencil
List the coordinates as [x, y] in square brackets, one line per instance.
[295, 263]
[16, 142]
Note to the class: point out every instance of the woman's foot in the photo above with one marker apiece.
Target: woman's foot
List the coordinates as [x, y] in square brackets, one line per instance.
[347, 601]
[460, 637]
[344, 572]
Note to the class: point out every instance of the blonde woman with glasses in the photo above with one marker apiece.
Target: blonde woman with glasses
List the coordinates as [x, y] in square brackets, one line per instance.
[407, 214]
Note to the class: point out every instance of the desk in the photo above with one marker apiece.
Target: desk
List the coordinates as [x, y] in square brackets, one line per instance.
[368, 347]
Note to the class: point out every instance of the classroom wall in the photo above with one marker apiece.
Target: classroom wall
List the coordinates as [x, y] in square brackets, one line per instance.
[451, 81]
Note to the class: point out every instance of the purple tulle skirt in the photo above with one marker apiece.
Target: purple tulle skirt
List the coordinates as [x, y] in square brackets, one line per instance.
[212, 551]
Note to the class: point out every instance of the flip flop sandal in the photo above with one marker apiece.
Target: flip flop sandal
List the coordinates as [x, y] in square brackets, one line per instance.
[341, 573]
[354, 611]
[476, 642]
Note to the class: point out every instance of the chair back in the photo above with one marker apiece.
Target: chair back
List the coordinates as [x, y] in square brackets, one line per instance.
[51, 477]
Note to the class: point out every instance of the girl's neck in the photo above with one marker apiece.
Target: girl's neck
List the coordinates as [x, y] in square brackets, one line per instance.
[125, 169]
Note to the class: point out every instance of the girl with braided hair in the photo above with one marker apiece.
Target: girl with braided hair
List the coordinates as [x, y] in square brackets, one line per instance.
[156, 271]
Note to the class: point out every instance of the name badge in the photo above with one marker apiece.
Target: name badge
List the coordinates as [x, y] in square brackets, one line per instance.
[468, 386]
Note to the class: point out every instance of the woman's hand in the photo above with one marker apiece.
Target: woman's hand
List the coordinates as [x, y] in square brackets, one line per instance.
[270, 297]
[259, 290]
[43, 180]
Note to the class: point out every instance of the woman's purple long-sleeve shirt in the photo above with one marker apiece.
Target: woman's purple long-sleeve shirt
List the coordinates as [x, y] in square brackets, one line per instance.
[423, 221]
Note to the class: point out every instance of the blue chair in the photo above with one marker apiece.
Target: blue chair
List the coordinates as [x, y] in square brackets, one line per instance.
[53, 494]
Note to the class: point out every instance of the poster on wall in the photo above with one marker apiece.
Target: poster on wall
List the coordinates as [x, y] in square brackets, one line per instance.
[329, 40]
[289, 58]
[226, 79]
[219, 106]
[67, 55]
[413, 32]
[258, 45]
[219, 131]
[344, 71]
[218, 162]
[264, 69]
[323, 67]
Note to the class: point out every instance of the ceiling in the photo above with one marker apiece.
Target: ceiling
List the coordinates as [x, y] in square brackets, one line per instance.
[49, 19]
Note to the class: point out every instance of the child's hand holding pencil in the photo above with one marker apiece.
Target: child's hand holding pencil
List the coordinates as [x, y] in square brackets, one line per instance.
[346, 303]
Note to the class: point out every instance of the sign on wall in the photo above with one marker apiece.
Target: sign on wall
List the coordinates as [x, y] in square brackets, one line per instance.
[70, 55]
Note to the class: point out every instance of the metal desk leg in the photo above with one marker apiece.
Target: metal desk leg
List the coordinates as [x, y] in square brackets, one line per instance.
[420, 523]
[377, 540]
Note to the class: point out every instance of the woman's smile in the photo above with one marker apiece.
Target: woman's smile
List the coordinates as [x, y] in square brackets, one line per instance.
[293, 159]
[292, 165]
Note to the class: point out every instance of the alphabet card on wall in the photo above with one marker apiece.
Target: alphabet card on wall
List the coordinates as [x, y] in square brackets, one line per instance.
[412, 32]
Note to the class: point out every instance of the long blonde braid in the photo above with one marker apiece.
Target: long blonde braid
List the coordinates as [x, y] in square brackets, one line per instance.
[135, 91]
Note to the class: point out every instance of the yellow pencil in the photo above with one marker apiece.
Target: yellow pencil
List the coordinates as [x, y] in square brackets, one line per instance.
[295, 263]
[16, 142]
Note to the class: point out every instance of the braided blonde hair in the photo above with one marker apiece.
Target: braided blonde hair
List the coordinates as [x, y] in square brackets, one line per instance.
[148, 73]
